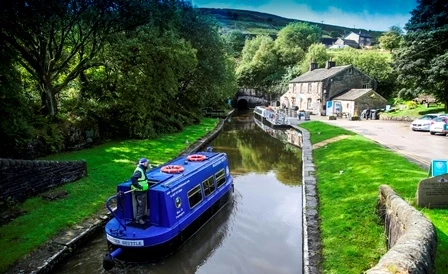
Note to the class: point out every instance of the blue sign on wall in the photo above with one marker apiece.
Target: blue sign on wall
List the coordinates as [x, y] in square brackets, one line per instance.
[438, 167]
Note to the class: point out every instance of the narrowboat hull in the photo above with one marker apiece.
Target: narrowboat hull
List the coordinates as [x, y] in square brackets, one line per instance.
[272, 118]
[157, 252]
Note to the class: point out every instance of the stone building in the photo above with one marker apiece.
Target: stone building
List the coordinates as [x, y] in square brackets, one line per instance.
[311, 90]
[344, 43]
[363, 39]
[354, 40]
[354, 101]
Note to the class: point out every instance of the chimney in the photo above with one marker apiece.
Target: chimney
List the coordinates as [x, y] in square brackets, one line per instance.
[330, 64]
[313, 65]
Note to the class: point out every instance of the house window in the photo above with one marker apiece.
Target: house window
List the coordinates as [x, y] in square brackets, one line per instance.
[301, 88]
[209, 186]
[220, 177]
[194, 196]
[309, 88]
[308, 103]
[364, 86]
[348, 105]
[350, 71]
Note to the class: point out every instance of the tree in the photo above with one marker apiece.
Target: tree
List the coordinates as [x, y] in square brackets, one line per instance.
[372, 63]
[421, 62]
[58, 39]
[392, 39]
[259, 65]
[235, 41]
[15, 128]
[213, 80]
[316, 53]
[293, 41]
[142, 76]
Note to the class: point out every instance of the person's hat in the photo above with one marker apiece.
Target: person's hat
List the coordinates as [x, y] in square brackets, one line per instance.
[143, 160]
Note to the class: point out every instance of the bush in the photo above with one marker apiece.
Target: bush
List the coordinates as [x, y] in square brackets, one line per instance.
[411, 104]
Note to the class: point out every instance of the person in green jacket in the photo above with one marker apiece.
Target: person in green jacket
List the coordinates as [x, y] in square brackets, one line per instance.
[139, 182]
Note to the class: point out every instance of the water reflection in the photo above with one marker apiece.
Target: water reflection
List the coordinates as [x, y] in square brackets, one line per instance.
[251, 148]
[288, 136]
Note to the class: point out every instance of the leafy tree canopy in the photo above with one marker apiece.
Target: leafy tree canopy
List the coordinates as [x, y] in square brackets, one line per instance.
[293, 41]
[421, 62]
[316, 53]
[58, 39]
[259, 65]
[392, 39]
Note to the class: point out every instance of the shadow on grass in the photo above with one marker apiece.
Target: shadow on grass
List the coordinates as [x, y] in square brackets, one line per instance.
[432, 110]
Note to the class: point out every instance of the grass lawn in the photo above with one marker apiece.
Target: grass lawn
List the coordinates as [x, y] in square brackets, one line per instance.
[108, 165]
[349, 173]
[420, 110]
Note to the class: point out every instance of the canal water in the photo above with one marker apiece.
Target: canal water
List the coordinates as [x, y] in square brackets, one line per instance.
[260, 231]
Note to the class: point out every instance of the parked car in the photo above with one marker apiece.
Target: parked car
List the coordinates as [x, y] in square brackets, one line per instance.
[423, 122]
[439, 125]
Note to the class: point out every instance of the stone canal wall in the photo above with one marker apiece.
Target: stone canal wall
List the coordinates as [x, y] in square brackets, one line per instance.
[45, 258]
[21, 179]
[312, 244]
[412, 239]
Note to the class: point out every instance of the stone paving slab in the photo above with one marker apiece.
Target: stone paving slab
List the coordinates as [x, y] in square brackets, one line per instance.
[331, 140]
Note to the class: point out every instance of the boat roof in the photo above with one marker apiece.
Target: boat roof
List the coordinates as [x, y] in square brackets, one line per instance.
[165, 180]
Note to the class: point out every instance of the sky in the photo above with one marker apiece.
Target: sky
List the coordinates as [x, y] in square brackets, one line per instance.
[367, 14]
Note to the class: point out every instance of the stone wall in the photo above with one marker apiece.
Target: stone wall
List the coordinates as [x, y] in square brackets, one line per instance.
[312, 243]
[412, 239]
[396, 118]
[21, 179]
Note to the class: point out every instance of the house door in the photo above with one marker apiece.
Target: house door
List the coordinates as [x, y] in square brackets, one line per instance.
[316, 106]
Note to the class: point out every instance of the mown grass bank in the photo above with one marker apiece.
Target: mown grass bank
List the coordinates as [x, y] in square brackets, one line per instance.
[417, 112]
[349, 172]
[107, 166]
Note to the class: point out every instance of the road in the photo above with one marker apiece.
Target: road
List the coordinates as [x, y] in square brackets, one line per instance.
[419, 147]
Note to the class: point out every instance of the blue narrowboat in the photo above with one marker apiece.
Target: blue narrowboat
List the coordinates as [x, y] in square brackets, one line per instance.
[183, 195]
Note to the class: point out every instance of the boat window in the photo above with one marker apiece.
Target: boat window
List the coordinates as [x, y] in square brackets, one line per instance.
[220, 177]
[209, 186]
[195, 196]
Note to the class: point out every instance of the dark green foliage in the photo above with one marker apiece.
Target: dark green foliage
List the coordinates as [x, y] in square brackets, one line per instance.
[235, 42]
[58, 39]
[15, 109]
[213, 79]
[422, 61]
[392, 39]
[135, 71]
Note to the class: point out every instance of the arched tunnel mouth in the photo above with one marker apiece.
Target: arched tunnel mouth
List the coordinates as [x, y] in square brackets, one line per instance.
[242, 105]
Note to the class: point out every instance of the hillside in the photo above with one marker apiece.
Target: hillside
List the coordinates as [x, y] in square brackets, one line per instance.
[253, 23]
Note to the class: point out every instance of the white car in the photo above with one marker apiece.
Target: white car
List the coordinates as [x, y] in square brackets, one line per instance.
[423, 122]
[439, 125]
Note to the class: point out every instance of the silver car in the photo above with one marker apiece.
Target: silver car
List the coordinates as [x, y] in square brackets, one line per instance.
[423, 122]
[439, 125]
